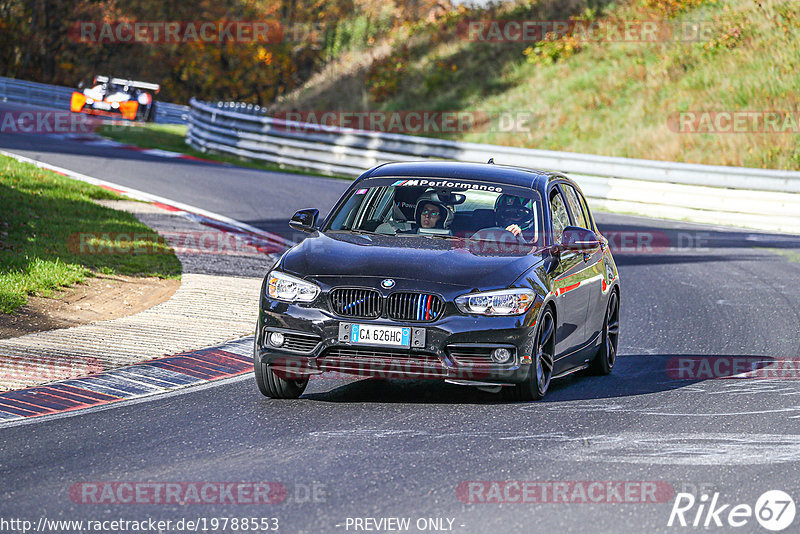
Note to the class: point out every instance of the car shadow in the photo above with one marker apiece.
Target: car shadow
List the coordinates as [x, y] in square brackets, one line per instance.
[633, 375]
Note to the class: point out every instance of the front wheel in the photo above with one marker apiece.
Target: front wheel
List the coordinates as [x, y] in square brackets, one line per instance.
[151, 113]
[272, 385]
[541, 371]
[603, 363]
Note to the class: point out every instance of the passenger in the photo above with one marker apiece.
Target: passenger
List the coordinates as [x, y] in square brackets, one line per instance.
[433, 216]
[430, 216]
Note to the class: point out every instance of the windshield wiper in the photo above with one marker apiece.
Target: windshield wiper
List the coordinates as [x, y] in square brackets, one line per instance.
[358, 232]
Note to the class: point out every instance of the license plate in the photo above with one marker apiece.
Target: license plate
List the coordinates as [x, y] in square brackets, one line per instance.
[102, 105]
[370, 334]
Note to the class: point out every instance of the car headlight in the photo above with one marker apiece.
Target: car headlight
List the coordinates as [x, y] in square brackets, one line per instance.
[281, 286]
[503, 302]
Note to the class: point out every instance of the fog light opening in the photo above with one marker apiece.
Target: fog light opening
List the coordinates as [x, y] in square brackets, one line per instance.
[501, 355]
[276, 339]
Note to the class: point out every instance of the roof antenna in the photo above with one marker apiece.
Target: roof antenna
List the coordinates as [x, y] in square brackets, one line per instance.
[491, 161]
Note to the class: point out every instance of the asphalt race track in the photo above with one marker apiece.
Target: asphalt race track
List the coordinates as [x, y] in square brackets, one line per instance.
[409, 449]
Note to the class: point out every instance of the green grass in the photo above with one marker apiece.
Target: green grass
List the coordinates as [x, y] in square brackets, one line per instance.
[609, 98]
[52, 235]
[163, 136]
[792, 255]
[173, 137]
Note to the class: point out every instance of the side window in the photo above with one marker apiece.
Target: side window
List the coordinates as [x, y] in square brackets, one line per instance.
[559, 215]
[575, 206]
[586, 212]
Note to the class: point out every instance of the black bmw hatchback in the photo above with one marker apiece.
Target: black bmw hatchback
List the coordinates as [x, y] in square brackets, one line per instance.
[476, 274]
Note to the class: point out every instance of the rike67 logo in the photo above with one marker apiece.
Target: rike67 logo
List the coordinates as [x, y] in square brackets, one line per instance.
[774, 510]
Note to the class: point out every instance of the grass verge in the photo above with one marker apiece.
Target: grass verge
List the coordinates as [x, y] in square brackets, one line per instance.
[608, 96]
[52, 235]
[172, 137]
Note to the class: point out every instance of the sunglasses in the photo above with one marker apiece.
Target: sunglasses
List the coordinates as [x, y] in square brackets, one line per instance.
[430, 213]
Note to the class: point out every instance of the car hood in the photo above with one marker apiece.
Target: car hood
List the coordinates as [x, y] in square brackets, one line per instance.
[429, 259]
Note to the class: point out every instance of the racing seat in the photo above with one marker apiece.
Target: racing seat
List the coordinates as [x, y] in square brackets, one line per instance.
[404, 204]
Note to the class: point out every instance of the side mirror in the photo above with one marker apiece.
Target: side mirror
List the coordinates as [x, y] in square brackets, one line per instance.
[81, 85]
[578, 239]
[304, 220]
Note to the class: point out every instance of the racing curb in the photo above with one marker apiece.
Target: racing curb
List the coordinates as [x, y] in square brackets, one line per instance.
[154, 377]
[200, 298]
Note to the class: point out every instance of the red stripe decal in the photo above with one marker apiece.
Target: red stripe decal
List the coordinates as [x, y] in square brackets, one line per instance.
[567, 289]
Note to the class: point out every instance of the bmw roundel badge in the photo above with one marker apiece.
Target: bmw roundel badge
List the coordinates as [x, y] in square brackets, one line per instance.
[387, 284]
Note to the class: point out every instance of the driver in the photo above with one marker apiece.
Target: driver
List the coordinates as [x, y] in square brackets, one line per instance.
[514, 213]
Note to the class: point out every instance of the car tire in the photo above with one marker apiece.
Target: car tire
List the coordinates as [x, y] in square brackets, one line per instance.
[541, 370]
[603, 362]
[151, 113]
[273, 386]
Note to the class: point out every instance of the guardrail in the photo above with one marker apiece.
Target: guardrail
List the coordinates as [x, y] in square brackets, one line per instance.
[738, 196]
[58, 97]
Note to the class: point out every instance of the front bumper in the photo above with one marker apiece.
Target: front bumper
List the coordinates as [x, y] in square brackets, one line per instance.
[127, 113]
[126, 109]
[455, 348]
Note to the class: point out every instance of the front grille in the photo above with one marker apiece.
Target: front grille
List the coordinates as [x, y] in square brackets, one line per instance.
[414, 307]
[364, 303]
[475, 355]
[376, 361]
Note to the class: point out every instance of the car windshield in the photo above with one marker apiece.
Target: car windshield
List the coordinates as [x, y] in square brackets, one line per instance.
[462, 209]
